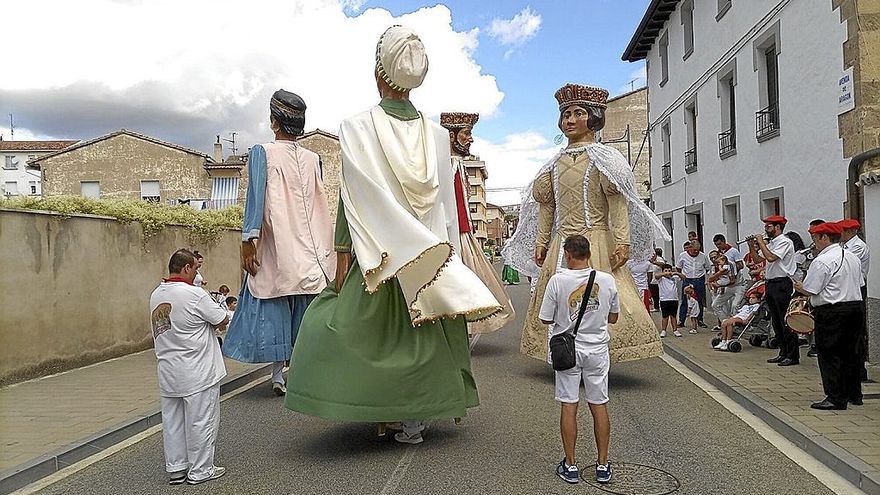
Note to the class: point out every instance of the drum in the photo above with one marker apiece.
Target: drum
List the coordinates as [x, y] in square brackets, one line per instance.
[799, 317]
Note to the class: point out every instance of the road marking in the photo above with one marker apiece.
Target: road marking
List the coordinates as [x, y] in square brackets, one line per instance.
[79, 466]
[399, 471]
[474, 339]
[810, 464]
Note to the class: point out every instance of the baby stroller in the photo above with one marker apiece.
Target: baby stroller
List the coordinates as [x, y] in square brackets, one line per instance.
[758, 327]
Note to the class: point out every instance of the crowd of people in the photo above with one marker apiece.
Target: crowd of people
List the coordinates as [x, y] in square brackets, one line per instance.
[380, 303]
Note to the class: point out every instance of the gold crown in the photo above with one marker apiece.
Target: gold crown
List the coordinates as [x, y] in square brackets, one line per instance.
[578, 94]
[458, 120]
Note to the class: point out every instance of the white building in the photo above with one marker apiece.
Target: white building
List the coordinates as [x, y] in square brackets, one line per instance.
[16, 179]
[743, 113]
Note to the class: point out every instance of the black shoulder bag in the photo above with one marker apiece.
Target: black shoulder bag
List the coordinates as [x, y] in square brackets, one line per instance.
[562, 352]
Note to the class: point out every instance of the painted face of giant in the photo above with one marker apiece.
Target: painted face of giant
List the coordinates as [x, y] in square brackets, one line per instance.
[573, 122]
[463, 140]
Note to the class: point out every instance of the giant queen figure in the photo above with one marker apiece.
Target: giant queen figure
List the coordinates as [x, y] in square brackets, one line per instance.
[588, 188]
[460, 126]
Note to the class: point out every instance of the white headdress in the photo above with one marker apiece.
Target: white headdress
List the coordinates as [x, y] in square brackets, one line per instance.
[401, 59]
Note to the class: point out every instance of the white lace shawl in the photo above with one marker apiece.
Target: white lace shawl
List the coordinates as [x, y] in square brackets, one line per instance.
[645, 228]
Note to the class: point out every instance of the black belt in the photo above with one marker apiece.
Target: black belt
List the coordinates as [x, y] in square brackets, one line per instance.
[839, 305]
[778, 279]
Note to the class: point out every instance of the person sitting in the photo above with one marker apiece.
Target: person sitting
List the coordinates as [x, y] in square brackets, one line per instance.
[742, 317]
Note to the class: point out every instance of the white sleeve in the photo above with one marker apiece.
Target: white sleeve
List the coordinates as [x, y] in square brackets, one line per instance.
[209, 310]
[817, 277]
[615, 300]
[548, 304]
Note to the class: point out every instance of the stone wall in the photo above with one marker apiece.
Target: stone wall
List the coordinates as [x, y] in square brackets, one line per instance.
[860, 128]
[120, 163]
[631, 109]
[76, 290]
[326, 145]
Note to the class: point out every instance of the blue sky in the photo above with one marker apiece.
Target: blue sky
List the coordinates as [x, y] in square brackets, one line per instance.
[578, 41]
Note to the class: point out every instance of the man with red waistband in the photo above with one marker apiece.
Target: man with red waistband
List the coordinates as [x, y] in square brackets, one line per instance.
[850, 241]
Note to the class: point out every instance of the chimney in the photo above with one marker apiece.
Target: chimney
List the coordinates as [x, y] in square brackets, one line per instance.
[218, 151]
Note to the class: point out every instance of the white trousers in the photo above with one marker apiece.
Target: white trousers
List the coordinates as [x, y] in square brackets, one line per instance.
[189, 429]
[722, 303]
[278, 372]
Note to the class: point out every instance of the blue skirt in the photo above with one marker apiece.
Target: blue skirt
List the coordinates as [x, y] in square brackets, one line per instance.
[264, 330]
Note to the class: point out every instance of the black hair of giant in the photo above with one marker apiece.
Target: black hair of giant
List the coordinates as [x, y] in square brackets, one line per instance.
[595, 119]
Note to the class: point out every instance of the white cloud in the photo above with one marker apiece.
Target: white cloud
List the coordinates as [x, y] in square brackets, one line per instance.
[521, 28]
[185, 71]
[512, 164]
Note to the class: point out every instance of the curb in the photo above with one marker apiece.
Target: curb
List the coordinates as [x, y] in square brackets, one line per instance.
[47, 464]
[848, 466]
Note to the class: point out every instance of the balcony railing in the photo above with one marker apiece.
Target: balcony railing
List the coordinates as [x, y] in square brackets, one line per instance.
[666, 171]
[727, 143]
[690, 160]
[767, 123]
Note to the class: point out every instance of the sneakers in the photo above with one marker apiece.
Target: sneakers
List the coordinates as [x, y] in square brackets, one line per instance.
[569, 474]
[603, 473]
[404, 437]
[663, 333]
[676, 333]
[218, 472]
[722, 346]
[692, 331]
[177, 478]
[279, 389]
[716, 328]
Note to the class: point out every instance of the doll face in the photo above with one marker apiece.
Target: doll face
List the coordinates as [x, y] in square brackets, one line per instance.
[573, 122]
[463, 141]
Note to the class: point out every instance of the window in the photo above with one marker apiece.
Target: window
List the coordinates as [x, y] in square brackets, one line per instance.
[664, 58]
[687, 23]
[772, 202]
[32, 185]
[690, 122]
[727, 100]
[10, 162]
[730, 216]
[723, 7]
[665, 137]
[11, 188]
[224, 192]
[90, 189]
[473, 209]
[766, 65]
[475, 190]
[150, 190]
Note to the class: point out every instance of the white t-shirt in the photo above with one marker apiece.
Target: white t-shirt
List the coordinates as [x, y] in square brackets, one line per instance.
[785, 266]
[693, 307]
[858, 247]
[668, 289]
[182, 318]
[694, 266]
[639, 270]
[657, 269]
[562, 301]
[746, 311]
[199, 280]
[835, 276]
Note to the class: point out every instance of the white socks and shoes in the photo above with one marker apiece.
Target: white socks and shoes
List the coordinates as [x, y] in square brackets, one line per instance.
[722, 346]
[676, 333]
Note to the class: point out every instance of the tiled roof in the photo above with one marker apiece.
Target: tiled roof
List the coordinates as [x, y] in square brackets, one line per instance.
[646, 34]
[319, 132]
[128, 133]
[35, 145]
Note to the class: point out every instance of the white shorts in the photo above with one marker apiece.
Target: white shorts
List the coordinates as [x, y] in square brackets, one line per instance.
[592, 367]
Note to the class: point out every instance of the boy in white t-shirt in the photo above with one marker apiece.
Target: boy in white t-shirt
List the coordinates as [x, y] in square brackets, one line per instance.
[183, 318]
[668, 292]
[559, 308]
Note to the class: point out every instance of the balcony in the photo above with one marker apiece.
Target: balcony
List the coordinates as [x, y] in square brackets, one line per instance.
[727, 143]
[767, 123]
[666, 171]
[690, 160]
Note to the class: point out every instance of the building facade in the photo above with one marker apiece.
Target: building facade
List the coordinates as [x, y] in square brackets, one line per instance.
[626, 128]
[326, 145]
[496, 226]
[476, 177]
[17, 178]
[743, 109]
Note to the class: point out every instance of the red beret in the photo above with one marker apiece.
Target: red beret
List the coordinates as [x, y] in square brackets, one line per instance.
[849, 223]
[828, 228]
[776, 219]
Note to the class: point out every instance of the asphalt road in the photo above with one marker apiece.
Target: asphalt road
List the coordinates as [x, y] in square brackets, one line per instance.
[509, 445]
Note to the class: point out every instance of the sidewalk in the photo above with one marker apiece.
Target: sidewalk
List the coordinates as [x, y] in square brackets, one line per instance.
[57, 420]
[848, 442]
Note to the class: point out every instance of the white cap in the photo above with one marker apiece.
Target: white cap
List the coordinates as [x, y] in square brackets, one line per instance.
[401, 59]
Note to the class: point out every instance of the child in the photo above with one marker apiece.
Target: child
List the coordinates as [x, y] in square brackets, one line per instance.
[742, 317]
[722, 282]
[221, 295]
[229, 305]
[693, 308]
[668, 298]
[565, 292]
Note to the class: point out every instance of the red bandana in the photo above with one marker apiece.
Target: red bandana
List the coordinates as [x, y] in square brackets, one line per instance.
[177, 279]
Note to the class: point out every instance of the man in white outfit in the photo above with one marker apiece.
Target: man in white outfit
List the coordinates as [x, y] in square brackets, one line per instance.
[183, 318]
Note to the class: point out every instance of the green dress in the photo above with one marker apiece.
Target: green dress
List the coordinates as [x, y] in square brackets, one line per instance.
[509, 275]
[358, 357]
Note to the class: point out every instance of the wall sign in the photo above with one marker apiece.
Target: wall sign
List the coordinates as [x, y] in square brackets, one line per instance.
[846, 99]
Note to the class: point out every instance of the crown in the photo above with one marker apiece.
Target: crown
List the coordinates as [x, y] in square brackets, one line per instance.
[458, 120]
[578, 94]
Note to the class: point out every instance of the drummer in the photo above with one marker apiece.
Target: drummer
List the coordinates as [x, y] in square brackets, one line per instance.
[833, 283]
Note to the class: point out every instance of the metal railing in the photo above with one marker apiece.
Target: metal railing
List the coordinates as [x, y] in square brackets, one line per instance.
[726, 142]
[666, 171]
[767, 122]
[690, 160]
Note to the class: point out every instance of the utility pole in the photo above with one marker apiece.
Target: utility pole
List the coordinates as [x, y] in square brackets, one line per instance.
[232, 143]
[11, 127]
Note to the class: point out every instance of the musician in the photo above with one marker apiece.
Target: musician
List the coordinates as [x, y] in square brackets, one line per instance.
[810, 254]
[779, 254]
[833, 283]
[851, 241]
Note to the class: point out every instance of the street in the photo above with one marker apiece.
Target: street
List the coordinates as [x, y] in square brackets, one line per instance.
[509, 445]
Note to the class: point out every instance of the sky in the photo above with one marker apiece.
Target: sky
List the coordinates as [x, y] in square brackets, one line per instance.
[187, 71]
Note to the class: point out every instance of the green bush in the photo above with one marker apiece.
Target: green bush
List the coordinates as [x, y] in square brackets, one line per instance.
[204, 226]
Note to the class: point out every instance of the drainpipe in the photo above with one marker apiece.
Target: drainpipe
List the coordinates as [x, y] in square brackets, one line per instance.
[854, 194]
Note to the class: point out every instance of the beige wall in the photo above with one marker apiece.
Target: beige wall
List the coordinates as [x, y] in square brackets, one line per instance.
[631, 109]
[331, 158]
[76, 291]
[120, 163]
